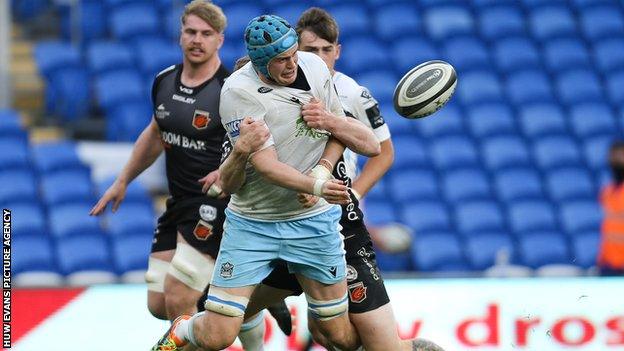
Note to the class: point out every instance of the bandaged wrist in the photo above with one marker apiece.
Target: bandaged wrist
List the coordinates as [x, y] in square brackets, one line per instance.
[320, 172]
[318, 187]
[356, 194]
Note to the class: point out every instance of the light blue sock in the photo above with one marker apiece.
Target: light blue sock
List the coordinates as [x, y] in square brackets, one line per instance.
[251, 333]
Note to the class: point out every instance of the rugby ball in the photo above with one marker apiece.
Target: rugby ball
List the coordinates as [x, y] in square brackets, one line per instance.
[424, 89]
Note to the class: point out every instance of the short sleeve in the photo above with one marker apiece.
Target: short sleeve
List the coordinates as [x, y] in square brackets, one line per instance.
[235, 105]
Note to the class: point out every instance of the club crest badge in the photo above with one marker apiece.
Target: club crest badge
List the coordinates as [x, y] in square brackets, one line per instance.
[201, 119]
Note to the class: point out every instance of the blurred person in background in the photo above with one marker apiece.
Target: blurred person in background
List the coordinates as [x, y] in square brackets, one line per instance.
[611, 251]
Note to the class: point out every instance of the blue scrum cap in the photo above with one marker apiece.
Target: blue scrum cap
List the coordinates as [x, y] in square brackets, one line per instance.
[267, 36]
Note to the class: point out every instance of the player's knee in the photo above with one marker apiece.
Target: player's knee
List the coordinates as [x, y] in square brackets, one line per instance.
[191, 267]
[219, 301]
[156, 305]
[328, 309]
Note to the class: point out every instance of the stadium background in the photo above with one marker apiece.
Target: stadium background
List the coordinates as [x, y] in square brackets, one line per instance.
[503, 181]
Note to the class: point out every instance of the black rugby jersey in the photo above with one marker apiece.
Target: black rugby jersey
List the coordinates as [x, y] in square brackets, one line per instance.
[190, 128]
[352, 219]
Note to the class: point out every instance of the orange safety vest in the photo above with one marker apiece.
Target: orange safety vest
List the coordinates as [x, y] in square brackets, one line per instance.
[612, 244]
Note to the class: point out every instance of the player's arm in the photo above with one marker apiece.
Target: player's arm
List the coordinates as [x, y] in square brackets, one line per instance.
[146, 150]
[374, 169]
[253, 135]
[267, 164]
[351, 132]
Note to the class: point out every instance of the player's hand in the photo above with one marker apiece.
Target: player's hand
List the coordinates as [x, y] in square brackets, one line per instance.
[316, 116]
[335, 192]
[211, 185]
[115, 193]
[253, 134]
[307, 200]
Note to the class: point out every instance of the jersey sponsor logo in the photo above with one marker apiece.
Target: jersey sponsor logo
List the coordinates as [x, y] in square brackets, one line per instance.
[203, 230]
[186, 100]
[302, 129]
[357, 292]
[161, 112]
[226, 271]
[264, 90]
[186, 90]
[352, 273]
[175, 139]
[366, 95]
[208, 213]
[233, 128]
[201, 119]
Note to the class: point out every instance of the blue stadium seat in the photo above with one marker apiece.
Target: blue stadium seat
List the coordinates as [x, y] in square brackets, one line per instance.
[382, 212]
[27, 218]
[409, 152]
[238, 16]
[585, 4]
[465, 185]
[18, 158]
[592, 119]
[566, 53]
[55, 156]
[18, 185]
[447, 121]
[580, 216]
[531, 216]
[437, 252]
[478, 216]
[453, 152]
[410, 184]
[88, 252]
[72, 220]
[397, 124]
[107, 55]
[134, 20]
[615, 83]
[126, 121]
[64, 187]
[381, 83]
[130, 253]
[491, 119]
[130, 219]
[609, 55]
[379, 192]
[72, 95]
[517, 184]
[113, 88]
[395, 21]
[542, 119]
[28, 9]
[533, 4]
[481, 250]
[91, 23]
[32, 253]
[602, 22]
[529, 86]
[596, 150]
[556, 151]
[172, 22]
[504, 152]
[230, 52]
[353, 18]
[394, 262]
[289, 11]
[11, 125]
[552, 21]
[445, 21]
[579, 86]
[425, 216]
[479, 87]
[481, 5]
[466, 53]
[543, 248]
[501, 21]
[585, 248]
[569, 184]
[407, 53]
[53, 55]
[516, 53]
[352, 50]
